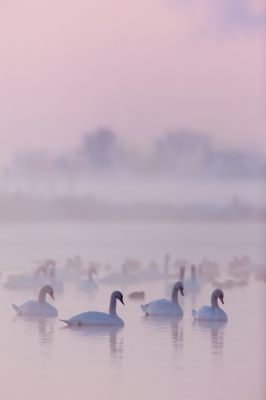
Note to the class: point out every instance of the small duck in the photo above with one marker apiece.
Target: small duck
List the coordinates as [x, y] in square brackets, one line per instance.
[137, 295]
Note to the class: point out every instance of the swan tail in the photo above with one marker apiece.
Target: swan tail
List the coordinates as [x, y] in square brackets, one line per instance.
[194, 313]
[17, 309]
[71, 323]
[144, 308]
[65, 320]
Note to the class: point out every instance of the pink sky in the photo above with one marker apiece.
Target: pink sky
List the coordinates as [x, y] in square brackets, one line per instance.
[139, 67]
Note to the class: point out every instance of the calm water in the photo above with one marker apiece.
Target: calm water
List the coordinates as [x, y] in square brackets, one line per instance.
[149, 358]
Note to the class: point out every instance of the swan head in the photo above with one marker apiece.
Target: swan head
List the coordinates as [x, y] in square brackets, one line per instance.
[179, 286]
[92, 270]
[182, 272]
[48, 289]
[119, 296]
[219, 294]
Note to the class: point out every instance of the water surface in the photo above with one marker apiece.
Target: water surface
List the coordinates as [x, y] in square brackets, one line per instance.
[149, 358]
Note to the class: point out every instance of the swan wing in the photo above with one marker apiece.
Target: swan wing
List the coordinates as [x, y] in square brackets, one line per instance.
[221, 315]
[93, 318]
[159, 307]
[205, 313]
[33, 307]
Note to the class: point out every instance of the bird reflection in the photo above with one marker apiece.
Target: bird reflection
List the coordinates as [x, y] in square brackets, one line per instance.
[46, 332]
[116, 342]
[177, 342]
[164, 325]
[45, 327]
[116, 345]
[216, 329]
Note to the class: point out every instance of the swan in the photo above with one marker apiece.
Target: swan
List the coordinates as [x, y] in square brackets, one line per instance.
[123, 277]
[192, 284]
[57, 284]
[40, 307]
[31, 280]
[213, 312]
[164, 306]
[169, 286]
[99, 318]
[119, 278]
[89, 284]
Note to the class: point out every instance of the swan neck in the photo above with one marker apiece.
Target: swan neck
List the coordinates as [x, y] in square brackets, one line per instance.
[214, 301]
[37, 273]
[42, 295]
[112, 308]
[174, 297]
[90, 273]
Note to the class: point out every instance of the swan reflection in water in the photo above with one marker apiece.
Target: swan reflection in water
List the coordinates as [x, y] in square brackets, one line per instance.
[164, 325]
[217, 330]
[116, 342]
[46, 333]
[45, 327]
[177, 330]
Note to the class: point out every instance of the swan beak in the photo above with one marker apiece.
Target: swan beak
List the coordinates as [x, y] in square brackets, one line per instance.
[52, 295]
[222, 299]
[122, 301]
[182, 292]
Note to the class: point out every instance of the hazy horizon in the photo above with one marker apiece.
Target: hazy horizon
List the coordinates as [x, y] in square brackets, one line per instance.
[141, 68]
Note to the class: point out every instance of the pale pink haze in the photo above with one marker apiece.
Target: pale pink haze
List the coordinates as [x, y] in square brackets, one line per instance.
[139, 67]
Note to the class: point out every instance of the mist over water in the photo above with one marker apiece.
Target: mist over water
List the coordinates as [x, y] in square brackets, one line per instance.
[184, 177]
[137, 223]
[132, 187]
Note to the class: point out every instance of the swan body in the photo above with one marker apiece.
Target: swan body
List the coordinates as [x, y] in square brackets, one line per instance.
[213, 312]
[149, 275]
[91, 318]
[23, 282]
[115, 278]
[192, 284]
[164, 306]
[89, 284]
[67, 275]
[56, 283]
[86, 284]
[33, 280]
[39, 307]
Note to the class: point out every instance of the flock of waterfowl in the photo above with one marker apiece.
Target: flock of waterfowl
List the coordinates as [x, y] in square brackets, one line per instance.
[162, 307]
[49, 280]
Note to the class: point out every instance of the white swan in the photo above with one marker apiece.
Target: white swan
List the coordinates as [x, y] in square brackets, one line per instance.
[31, 280]
[89, 284]
[99, 318]
[192, 284]
[213, 312]
[123, 277]
[164, 306]
[40, 307]
[56, 283]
